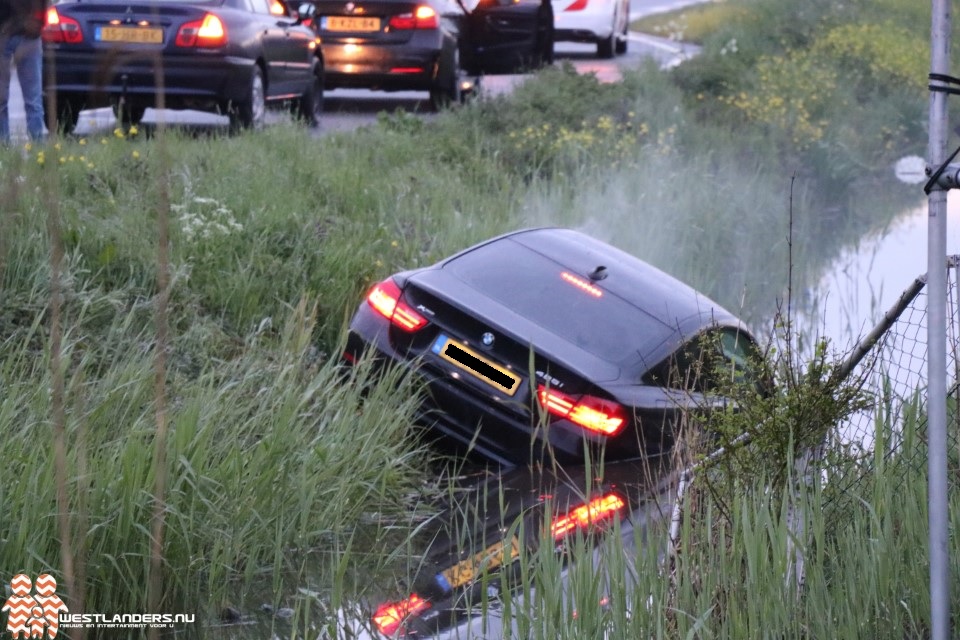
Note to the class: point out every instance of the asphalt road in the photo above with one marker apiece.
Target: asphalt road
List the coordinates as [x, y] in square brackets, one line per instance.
[347, 109]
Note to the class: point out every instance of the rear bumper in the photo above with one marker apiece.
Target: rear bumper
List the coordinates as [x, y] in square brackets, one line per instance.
[383, 67]
[182, 79]
[468, 417]
[590, 24]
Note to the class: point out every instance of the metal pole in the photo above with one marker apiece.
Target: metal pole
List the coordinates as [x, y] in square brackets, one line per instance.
[937, 331]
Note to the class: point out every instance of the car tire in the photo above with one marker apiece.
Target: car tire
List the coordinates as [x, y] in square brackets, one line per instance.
[447, 91]
[68, 114]
[308, 109]
[607, 46]
[250, 113]
[622, 42]
[129, 114]
[543, 46]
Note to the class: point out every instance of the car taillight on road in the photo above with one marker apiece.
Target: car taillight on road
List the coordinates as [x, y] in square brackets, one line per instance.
[390, 616]
[587, 516]
[604, 417]
[59, 28]
[208, 32]
[423, 17]
[385, 300]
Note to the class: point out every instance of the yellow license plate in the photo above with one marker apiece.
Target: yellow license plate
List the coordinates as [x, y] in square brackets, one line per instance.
[489, 559]
[342, 23]
[142, 35]
[475, 364]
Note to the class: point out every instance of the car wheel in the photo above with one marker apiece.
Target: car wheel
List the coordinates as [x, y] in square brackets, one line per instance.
[68, 114]
[447, 90]
[606, 46]
[251, 112]
[621, 47]
[129, 114]
[309, 107]
[543, 47]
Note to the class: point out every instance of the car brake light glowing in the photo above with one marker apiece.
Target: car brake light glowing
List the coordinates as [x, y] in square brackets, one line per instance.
[581, 284]
[424, 17]
[391, 615]
[587, 515]
[594, 414]
[59, 28]
[385, 299]
[208, 32]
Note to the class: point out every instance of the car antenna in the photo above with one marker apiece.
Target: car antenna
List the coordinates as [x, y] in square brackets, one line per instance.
[599, 273]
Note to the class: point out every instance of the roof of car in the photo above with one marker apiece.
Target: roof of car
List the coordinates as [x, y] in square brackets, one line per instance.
[511, 269]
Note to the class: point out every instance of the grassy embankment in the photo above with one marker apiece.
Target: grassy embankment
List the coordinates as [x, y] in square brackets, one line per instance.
[275, 477]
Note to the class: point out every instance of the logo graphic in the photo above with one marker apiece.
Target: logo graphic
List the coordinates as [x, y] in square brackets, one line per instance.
[30, 614]
[487, 339]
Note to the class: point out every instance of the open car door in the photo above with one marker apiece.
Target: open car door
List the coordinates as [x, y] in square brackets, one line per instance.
[506, 36]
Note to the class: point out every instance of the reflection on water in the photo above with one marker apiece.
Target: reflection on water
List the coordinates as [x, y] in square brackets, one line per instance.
[859, 288]
[867, 279]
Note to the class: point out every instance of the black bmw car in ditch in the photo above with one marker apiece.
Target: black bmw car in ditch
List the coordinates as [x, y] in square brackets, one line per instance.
[437, 46]
[547, 344]
[226, 56]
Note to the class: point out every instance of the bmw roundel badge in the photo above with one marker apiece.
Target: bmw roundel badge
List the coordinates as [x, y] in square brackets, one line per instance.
[487, 339]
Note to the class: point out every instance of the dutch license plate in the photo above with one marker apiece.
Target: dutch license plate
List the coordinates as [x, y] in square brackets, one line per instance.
[350, 23]
[143, 35]
[475, 364]
[489, 559]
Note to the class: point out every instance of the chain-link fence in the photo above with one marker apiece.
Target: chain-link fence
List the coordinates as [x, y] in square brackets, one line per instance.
[892, 363]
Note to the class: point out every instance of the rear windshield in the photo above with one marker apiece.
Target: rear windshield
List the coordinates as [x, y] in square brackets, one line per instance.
[562, 302]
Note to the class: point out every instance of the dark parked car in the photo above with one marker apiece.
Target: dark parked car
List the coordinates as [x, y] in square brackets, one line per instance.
[430, 45]
[548, 342]
[472, 563]
[224, 56]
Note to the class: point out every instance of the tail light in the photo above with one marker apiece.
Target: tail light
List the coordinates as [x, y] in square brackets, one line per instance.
[59, 28]
[604, 417]
[385, 300]
[587, 516]
[390, 616]
[423, 17]
[208, 32]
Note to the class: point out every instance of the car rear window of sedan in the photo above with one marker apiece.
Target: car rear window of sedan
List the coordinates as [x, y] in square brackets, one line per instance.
[563, 302]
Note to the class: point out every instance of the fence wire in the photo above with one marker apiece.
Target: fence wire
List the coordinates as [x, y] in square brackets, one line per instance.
[892, 362]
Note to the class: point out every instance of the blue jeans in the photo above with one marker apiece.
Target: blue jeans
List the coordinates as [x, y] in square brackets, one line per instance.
[27, 55]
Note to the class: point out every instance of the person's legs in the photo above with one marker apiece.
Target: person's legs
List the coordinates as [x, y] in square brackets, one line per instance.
[6, 56]
[28, 56]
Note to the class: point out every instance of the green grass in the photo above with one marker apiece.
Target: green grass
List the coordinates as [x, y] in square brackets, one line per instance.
[692, 24]
[287, 486]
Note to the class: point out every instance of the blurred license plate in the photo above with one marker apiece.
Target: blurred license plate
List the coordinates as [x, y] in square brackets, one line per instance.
[487, 560]
[129, 34]
[472, 362]
[342, 23]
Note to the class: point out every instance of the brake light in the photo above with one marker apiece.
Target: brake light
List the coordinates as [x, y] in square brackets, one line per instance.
[581, 284]
[391, 615]
[593, 414]
[208, 32]
[587, 515]
[385, 300]
[59, 28]
[423, 17]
